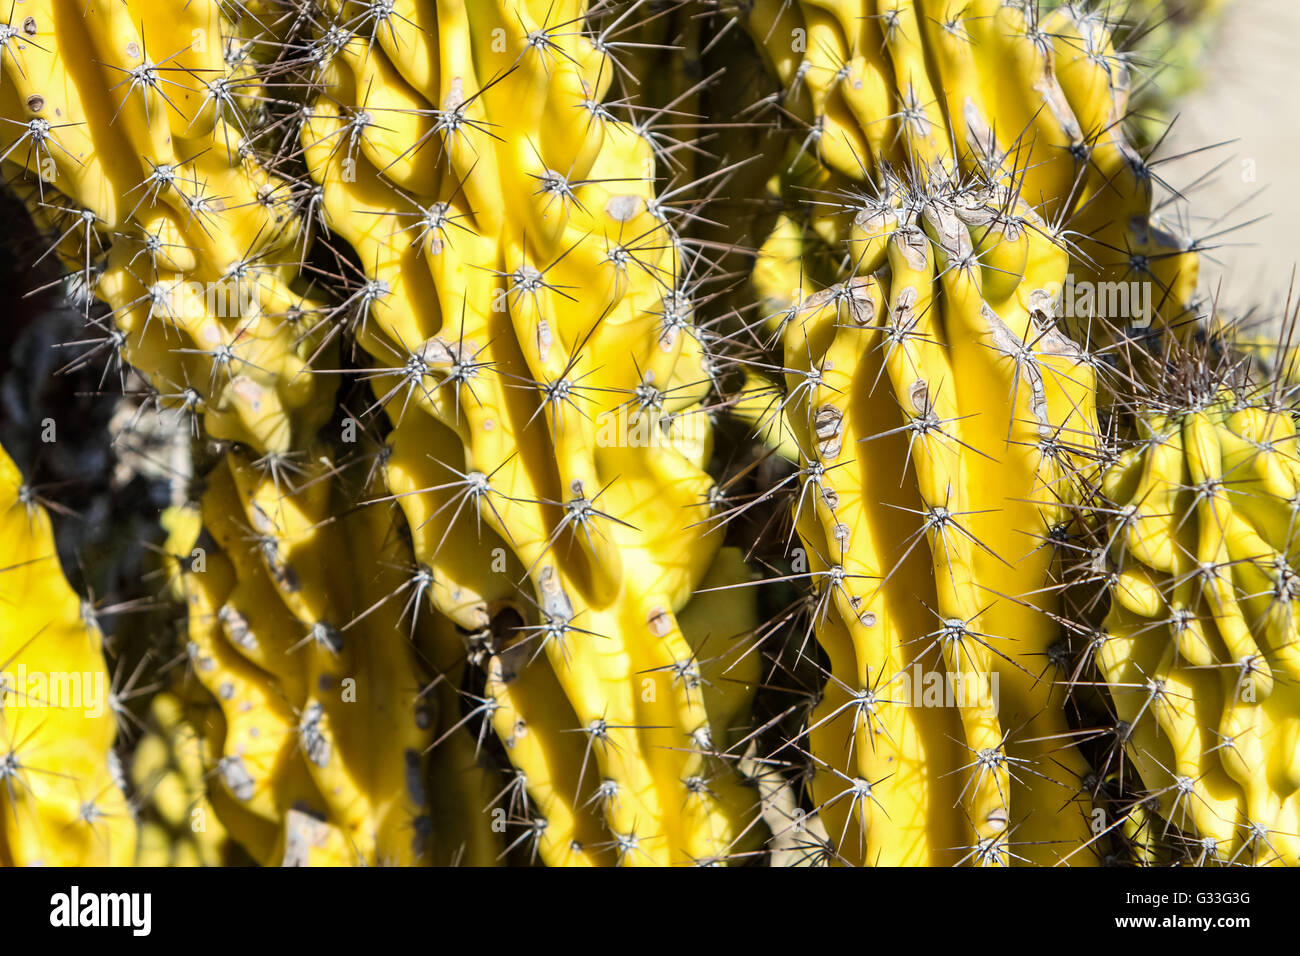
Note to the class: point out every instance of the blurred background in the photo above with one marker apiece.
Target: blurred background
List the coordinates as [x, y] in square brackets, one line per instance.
[1246, 97]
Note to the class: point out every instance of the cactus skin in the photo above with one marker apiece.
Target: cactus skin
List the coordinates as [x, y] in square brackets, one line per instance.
[1199, 645]
[527, 313]
[128, 134]
[161, 151]
[992, 89]
[61, 803]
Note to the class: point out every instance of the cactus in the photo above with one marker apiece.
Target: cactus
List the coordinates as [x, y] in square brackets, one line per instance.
[129, 134]
[325, 723]
[449, 298]
[526, 310]
[942, 422]
[61, 796]
[160, 165]
[1198, 648]
[1031, 101]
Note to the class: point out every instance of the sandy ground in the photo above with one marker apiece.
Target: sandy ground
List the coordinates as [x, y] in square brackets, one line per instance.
[1250, 96]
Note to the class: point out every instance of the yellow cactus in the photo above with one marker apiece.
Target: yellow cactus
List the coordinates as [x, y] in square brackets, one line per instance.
[527, 309]
[989, 89]
[512, 626]
[61, 801]
[942, 422]
[322, 747]
[1199, 647]
[129, 136]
